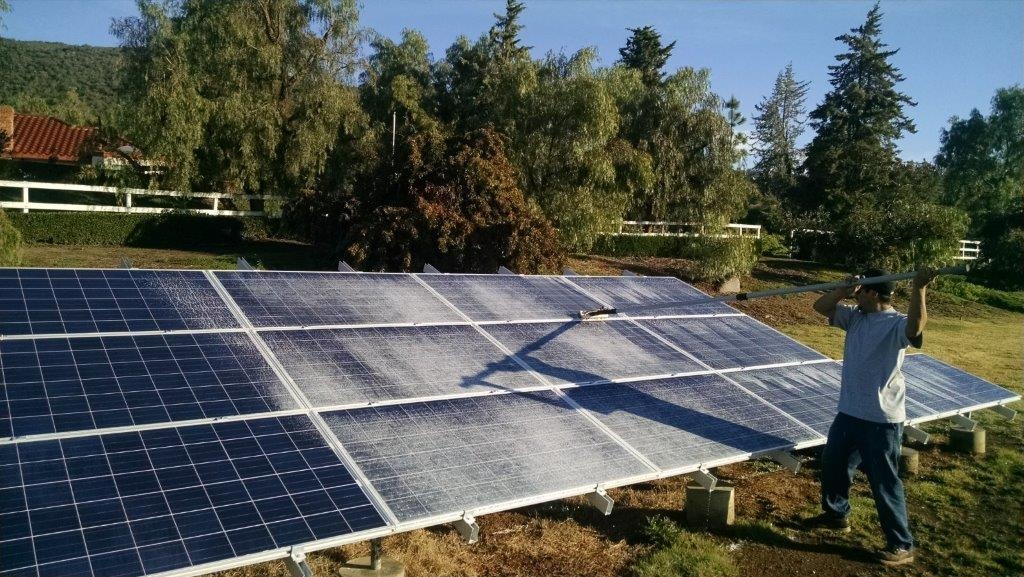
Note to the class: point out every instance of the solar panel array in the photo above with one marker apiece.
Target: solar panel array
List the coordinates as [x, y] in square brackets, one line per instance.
[169, 421]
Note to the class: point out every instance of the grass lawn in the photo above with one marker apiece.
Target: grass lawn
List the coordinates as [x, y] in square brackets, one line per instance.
[966, 511]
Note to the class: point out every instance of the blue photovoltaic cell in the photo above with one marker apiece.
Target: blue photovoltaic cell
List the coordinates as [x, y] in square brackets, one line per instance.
[732, 342]
[68, 384]
[623, 292]
[922, 371]
[587, 352]
[138, 503]
[305, 299]
[682, 422]
[810, 393]
[511, 297]
[343, 366]
[62, 301]
[447, 456]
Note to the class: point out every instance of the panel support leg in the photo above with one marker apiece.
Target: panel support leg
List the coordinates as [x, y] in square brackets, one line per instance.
[375, 554]
[297, 565]
[915, 434]
[468, 528]
[376, 565]
[786, 459]
[601, 501]
[705, 479]
[1005, 412]
[964, 422]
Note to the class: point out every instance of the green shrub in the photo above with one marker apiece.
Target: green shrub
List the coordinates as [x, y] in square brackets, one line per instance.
[718, 259]
[10, 242]
[772, 245]
[643, 246]
[963, 288]
[896, 236]
[177, 230]
[1003, 256]
[715, 259]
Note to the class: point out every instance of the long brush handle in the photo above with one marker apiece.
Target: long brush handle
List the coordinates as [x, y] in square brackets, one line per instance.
[767, 293]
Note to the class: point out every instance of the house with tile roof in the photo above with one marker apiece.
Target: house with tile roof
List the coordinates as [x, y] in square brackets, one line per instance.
[33, 139]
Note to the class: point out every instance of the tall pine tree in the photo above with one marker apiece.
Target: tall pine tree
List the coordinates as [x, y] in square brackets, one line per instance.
[874, 204]
[852, 157]
[643, 51]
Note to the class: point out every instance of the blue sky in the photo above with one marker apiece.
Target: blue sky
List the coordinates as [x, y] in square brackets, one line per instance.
[954, 53]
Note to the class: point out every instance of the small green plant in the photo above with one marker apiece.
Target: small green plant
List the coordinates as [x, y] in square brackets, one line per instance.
[772, 245]
[10, 242]
[661, 531]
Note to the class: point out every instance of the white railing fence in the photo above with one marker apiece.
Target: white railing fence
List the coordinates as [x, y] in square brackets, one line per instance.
[664, 228]
[122, 199]
[969, 250]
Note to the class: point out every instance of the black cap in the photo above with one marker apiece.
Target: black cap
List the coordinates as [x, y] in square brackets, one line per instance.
[883, 288]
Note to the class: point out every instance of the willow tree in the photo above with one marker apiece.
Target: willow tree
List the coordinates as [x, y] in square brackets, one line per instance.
[679, 126]
[568, 151]
[242, 96]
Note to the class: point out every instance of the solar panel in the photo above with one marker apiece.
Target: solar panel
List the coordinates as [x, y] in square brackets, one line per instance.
[625, 291]
[592, 351]
[450, 428]
[447, 456]
[511, 297]
[63, 301]
[682, 423]
[70, 384]
[345, 366]
[140, 503]
[809, 393]
[306, 299]
[732, 342]
[922, 371]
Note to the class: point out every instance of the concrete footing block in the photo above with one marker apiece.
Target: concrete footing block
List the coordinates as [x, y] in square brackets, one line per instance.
[729, 285]
[967, 441]
[910, 462]
[362, 567]
[710, 509]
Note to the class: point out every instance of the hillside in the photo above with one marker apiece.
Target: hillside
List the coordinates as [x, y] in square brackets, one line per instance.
[36, 77]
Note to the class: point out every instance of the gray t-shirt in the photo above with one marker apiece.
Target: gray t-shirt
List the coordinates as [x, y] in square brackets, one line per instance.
[872, 386]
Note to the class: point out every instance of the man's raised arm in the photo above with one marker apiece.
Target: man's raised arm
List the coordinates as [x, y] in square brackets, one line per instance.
[917, 312]
[826, 303]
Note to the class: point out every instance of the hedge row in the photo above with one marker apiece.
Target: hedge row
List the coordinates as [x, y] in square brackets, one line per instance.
[715, 259]
[169, 230]
[10, 242]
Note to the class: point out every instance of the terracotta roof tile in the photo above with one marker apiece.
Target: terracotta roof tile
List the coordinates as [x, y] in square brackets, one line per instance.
[44, 138]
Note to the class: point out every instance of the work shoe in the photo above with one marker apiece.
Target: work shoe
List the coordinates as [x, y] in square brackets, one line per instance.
[897, 556]
[826, 521]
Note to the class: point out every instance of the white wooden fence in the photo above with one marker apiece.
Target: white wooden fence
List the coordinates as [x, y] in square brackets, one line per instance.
[122, 199]
[969, 250]
[664, 228]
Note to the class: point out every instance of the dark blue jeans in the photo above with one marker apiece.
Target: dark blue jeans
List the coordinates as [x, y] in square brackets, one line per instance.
[854, 442]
